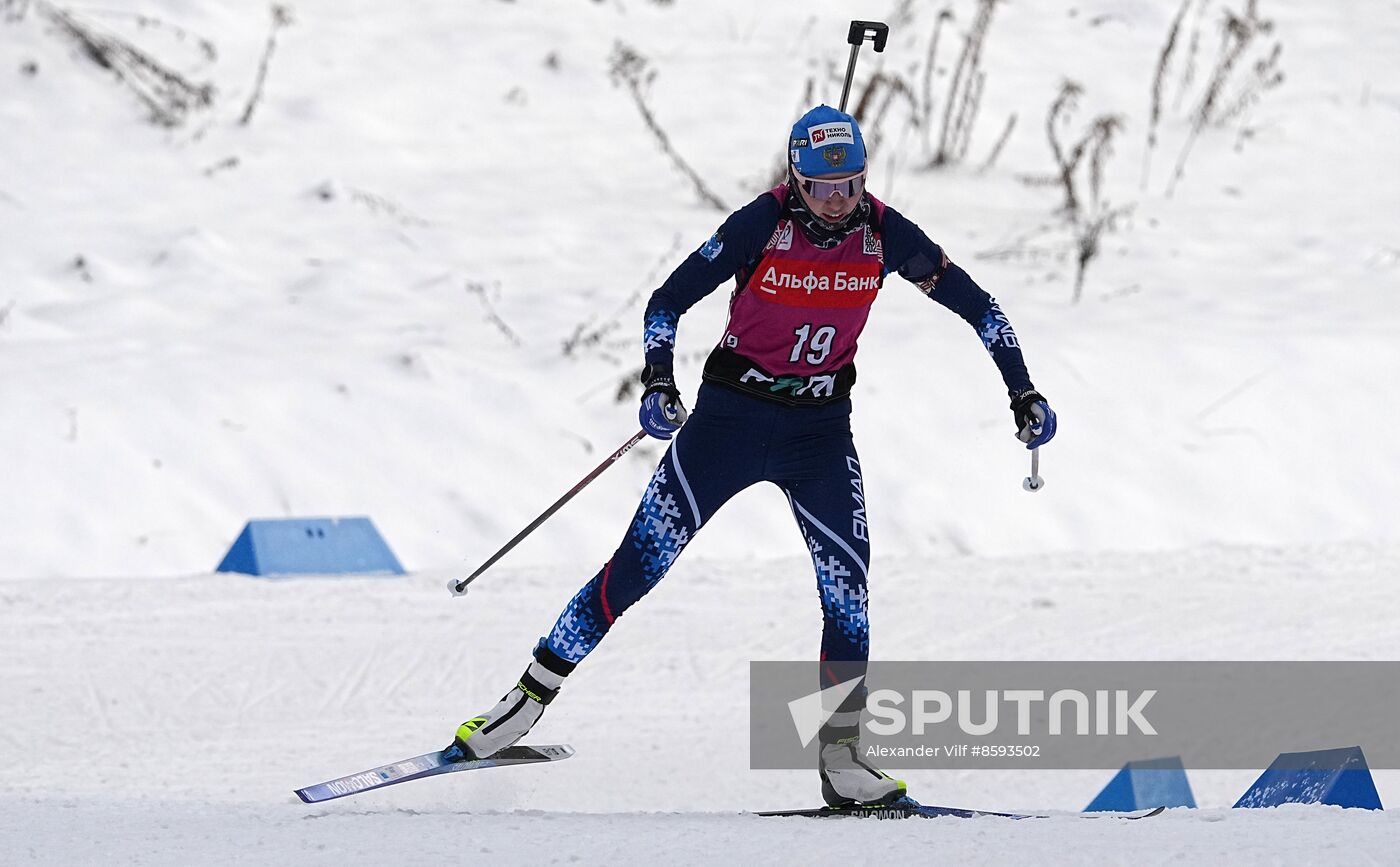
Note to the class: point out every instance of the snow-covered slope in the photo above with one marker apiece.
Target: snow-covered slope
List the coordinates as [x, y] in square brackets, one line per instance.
[358, 303]
[411, 287]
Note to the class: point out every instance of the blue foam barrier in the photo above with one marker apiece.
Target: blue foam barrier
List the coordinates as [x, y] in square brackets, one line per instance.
[310, 546]
[1143, 784]
[1338, 777]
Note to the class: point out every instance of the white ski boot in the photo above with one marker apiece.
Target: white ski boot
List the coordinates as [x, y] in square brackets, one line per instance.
[848, 779]
[512, 717]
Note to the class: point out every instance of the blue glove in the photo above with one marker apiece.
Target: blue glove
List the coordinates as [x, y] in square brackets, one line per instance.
[1035, 420]
[661, 413]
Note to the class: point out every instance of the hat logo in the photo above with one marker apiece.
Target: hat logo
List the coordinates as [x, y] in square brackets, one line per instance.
[835, 156]
[831, 134]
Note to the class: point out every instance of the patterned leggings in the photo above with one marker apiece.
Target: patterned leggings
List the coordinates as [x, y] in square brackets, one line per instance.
[733, 441]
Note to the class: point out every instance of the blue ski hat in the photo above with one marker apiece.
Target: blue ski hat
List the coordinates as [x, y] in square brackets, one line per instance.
[826, 140]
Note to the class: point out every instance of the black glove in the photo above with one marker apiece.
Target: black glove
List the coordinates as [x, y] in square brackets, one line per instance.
[661, 413]
[1035, 420]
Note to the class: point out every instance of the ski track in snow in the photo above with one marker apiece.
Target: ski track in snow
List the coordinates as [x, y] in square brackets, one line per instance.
[209, 698]
[182, 833]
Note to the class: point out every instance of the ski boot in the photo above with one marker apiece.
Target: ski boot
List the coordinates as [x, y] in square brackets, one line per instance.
[515, 714]
[848, 780]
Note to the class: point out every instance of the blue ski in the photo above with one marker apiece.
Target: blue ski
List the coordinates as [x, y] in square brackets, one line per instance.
[428, 765]
[908, 808]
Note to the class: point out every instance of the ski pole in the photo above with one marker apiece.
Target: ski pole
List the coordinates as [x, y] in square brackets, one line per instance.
[859, 32]
[459, 588]
[1033, 482]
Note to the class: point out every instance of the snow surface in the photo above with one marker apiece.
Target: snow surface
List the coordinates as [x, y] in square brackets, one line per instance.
[361, 303]
[166, 721]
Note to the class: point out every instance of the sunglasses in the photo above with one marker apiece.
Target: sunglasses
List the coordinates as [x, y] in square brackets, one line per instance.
[821, 190]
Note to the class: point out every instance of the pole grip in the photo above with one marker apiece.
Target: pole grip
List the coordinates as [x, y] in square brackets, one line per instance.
[856, 36]
[877, 30]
